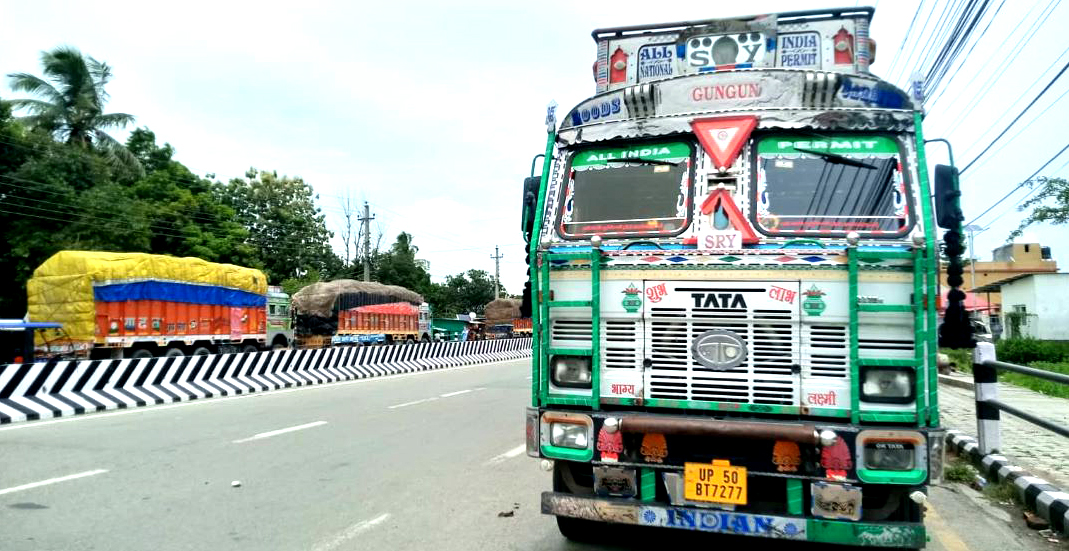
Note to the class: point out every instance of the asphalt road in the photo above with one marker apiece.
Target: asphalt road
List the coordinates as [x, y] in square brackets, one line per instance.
[425, 461]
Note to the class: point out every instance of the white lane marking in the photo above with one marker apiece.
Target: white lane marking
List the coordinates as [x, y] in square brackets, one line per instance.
[507, 455]
[269, 434]
[350, 533]
[412, 403]
[51, 481]
[457, 393]
[22, 425]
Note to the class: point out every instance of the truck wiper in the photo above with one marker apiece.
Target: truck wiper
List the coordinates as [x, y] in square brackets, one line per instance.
[835, 158]
[643, 161]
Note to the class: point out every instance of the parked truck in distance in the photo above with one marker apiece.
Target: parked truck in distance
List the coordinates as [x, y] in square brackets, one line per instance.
[346, 312]
[393, 322]
[139, 305]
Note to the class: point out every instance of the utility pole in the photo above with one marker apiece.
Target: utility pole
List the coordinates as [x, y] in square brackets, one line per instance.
[971, 228]
[497, 273]
[366, 222]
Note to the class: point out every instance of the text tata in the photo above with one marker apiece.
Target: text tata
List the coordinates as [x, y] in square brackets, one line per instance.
[718, 300]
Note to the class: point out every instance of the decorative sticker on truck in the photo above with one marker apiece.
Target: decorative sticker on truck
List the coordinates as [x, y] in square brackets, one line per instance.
[632, 299]
[799, 50]
[726, 51]
[601, 157]
[813, 304]
[655, 292]
[655, 61]
[724, 522]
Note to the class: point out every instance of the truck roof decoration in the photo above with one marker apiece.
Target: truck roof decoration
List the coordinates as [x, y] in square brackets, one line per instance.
[829, 40]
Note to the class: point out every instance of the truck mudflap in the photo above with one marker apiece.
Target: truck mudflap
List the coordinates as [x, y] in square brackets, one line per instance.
[625, 511]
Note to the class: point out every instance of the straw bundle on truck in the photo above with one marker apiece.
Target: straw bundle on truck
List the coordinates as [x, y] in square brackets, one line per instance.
[502, 310]
[317, 305]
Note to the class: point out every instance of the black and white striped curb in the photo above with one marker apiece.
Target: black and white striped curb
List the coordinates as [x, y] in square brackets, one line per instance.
[44, 390]
[1037, 494]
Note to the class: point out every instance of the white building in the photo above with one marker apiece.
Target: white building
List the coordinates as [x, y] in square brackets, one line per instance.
[1036, 306]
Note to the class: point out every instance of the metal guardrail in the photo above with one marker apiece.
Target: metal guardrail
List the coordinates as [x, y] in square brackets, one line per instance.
[989, 407]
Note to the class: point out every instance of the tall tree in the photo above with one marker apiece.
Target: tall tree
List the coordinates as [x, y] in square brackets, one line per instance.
[1050, 205]
[188, 219]
[399, 266]
[286, 228]
[69, 102]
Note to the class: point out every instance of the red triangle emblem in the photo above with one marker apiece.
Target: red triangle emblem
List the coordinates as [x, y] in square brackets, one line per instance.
[723, 137]
[722, 198]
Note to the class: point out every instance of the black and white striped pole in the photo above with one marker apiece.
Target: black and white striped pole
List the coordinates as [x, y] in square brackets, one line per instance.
[985, 379]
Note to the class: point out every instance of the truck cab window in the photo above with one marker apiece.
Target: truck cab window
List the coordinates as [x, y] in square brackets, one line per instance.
[634, 191]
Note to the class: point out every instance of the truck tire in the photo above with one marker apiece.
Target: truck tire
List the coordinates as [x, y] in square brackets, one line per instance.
[249, 349]
[173, 352]
[425, 338]
[409, 340]
[201, 351]
[140, 354]
[575, 529]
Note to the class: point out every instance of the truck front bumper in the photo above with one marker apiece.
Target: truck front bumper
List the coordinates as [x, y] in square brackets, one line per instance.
[628, 511]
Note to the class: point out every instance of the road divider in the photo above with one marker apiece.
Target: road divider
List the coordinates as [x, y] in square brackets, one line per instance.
[60, 388]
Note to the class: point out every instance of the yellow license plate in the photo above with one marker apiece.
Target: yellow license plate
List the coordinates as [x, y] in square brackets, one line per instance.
[716, 482]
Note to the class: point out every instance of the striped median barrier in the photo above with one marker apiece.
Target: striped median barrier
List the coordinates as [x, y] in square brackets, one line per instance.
[60, 388]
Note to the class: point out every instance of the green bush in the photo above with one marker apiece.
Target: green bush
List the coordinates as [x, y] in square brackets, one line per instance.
[1026, 351]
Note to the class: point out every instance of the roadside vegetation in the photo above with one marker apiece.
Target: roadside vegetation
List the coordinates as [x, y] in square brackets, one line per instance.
[1048, 355]
[959, 470]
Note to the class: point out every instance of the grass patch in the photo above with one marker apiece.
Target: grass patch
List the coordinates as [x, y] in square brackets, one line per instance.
[1002, 491]
[959, 470]
[1049, 388]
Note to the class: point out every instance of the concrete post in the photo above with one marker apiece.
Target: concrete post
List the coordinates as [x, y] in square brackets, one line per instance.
[986, 382]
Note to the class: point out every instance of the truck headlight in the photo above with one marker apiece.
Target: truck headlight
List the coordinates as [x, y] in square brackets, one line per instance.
[890, 456]
[571, 371]
[887, 384]
[569, 435]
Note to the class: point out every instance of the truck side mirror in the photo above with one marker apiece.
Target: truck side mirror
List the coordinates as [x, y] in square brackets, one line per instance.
[530, 198]
[947, 208]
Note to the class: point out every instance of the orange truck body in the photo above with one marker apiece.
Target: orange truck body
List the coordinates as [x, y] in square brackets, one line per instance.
[392, 318]
[143, 318]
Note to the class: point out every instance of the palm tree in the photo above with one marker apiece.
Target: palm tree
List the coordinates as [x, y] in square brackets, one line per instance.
[70, 100]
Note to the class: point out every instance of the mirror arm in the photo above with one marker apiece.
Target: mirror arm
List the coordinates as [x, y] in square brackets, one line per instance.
[956, 331]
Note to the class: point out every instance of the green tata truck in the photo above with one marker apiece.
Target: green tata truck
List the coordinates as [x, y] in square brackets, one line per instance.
[733, 256]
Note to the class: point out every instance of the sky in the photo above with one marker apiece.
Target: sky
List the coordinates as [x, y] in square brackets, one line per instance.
[432, 112]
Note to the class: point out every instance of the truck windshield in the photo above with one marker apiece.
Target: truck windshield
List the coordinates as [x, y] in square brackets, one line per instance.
[830, 186]
[637, 191]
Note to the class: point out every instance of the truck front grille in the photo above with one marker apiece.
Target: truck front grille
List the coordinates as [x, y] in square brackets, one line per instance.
[767, 376]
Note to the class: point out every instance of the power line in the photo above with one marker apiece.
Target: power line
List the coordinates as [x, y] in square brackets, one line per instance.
[905, 39]
[942, 92]
[1023, 199]
[1018, 117]
[956, 44]
[1020, 185]
[1000, 68]
[915, 46]
[1021, 131]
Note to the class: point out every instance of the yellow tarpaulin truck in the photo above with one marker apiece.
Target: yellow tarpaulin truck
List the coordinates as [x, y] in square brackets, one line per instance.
[141, 305]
